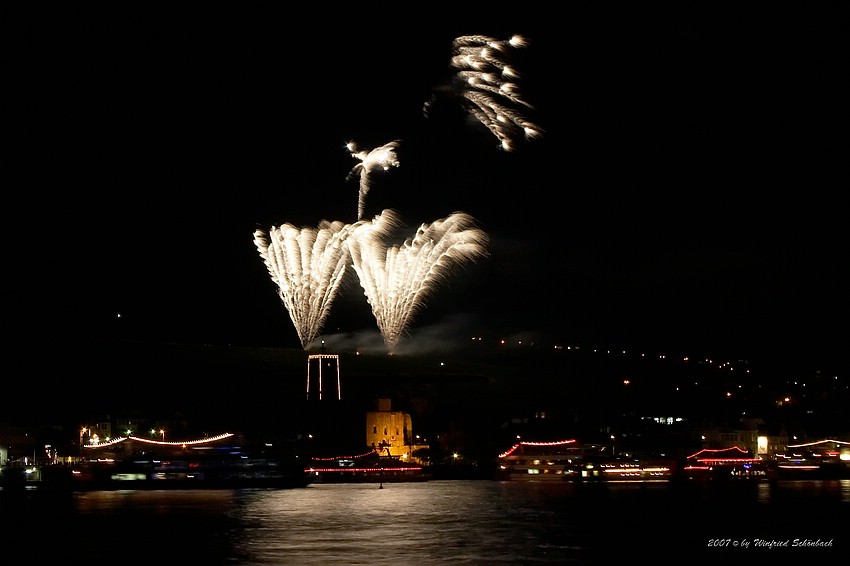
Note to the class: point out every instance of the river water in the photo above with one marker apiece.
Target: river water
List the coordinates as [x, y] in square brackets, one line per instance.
[437, 522]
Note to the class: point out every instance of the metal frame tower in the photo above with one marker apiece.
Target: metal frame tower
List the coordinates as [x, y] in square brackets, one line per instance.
[317, 387]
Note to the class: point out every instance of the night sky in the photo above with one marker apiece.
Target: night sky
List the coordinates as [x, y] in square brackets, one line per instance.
[686, 195]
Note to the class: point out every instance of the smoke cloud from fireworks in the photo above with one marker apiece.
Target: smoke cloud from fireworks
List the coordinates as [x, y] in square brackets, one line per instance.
[488, 87]
[378, 159]
[397, 280]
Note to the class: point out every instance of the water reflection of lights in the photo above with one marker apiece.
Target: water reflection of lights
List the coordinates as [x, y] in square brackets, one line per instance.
[768, 492]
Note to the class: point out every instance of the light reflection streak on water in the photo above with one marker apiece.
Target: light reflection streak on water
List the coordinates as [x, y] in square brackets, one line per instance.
[422, 523]
[501, 523]
[401, 524]
[789, 490]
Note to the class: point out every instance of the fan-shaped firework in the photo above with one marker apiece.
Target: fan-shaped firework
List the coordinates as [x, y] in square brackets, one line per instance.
[308, 266]
[487, 86]
[397, 279]
[380, 158]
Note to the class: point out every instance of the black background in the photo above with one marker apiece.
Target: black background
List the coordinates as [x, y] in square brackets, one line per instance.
[685, 196]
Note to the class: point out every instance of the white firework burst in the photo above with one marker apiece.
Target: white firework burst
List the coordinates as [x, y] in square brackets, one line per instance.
[488, 87]
[398, 279]
[307, 265]
[378, 159]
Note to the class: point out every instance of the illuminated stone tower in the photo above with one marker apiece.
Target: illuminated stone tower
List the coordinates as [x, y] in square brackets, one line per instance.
[390, 432]
[323, 380]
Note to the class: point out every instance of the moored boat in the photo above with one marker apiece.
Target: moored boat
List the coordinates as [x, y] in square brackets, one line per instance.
[220, 462]
[567, 460]
[726, 464]
[369, 467]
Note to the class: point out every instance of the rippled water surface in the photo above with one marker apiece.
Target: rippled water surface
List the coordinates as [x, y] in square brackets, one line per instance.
[436, 522]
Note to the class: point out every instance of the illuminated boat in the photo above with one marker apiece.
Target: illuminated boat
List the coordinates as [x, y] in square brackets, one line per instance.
[626, 469]
[369, 467]
[567, 460]
[220, 462]
[823, 459]
[541, 461]
[726, 463]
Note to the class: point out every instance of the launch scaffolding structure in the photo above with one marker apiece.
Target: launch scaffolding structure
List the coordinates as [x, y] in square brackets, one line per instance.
[317, 366]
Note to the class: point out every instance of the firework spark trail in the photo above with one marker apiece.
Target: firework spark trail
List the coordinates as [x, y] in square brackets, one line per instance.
[380, 158]
[486, 85]
[307, 265]
[398, 279]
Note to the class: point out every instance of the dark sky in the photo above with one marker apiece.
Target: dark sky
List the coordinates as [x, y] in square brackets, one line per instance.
[686, 195]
